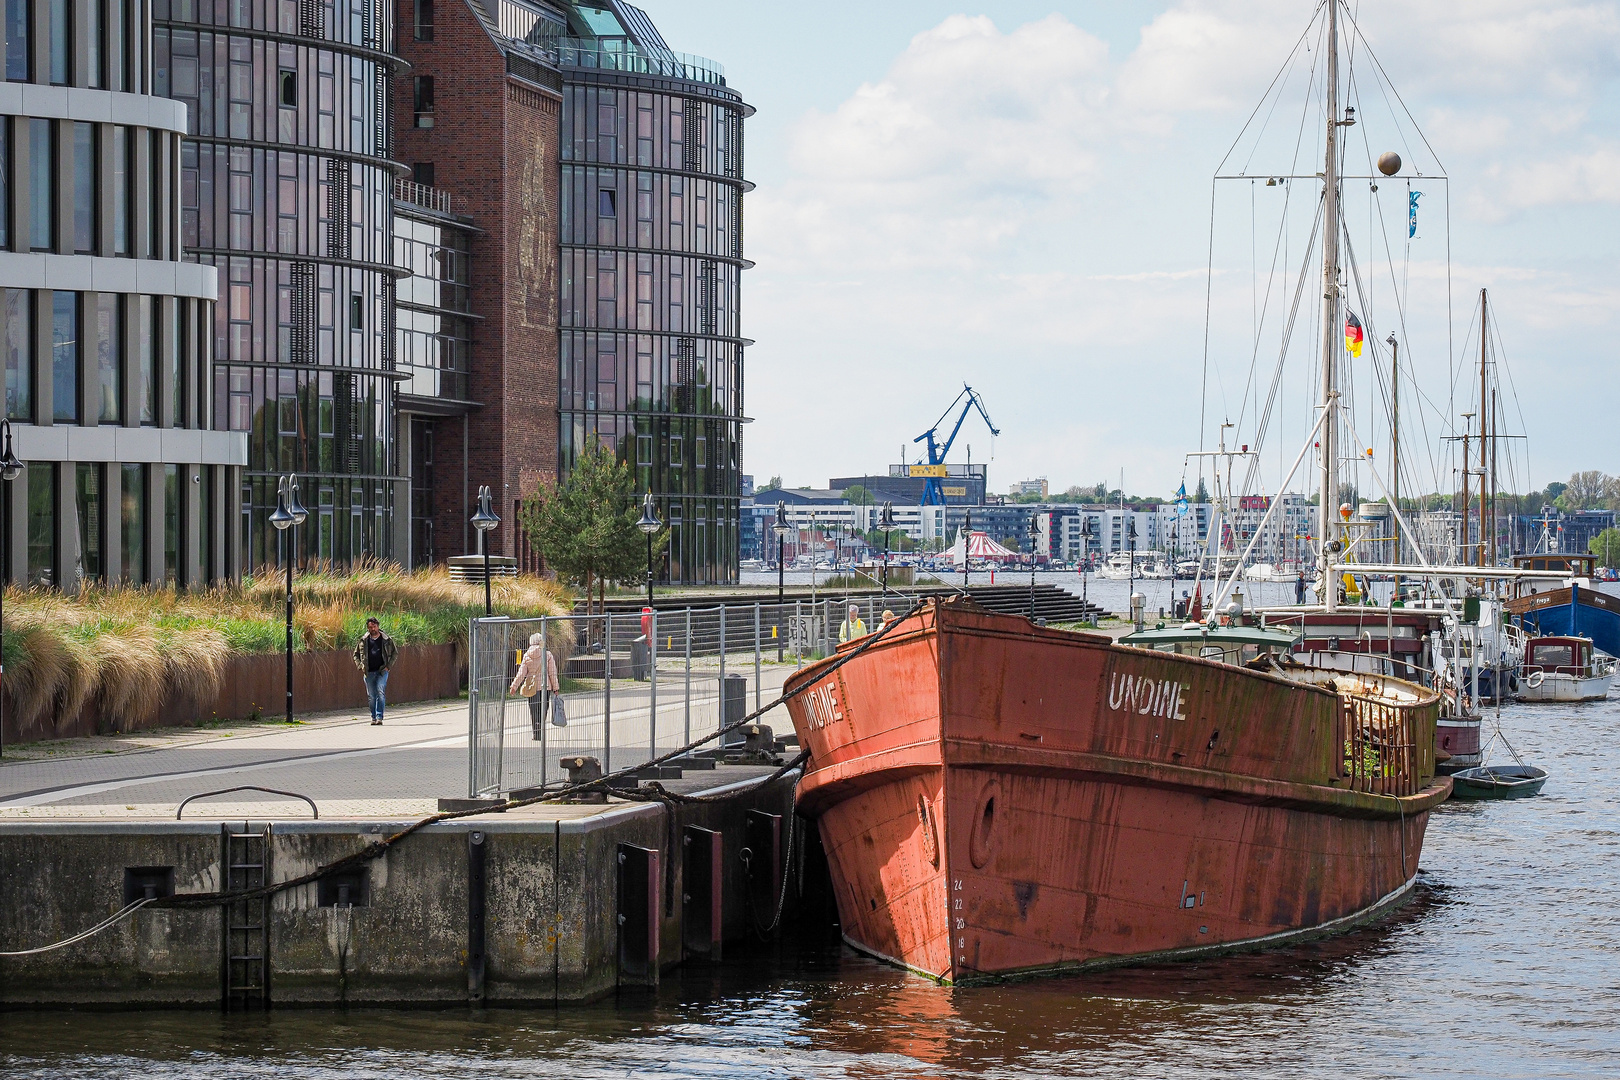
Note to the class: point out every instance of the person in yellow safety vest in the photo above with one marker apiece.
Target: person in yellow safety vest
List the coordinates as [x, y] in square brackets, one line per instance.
[853, 627]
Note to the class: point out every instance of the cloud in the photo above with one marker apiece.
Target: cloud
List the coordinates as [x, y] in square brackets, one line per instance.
[1017, 208]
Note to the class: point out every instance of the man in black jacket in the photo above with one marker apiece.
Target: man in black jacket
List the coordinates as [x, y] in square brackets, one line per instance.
[374, 655]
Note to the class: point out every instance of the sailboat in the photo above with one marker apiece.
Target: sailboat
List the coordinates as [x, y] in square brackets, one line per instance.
[998, 798]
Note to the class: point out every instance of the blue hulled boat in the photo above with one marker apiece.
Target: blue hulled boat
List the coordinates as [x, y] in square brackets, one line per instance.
[1576, 610]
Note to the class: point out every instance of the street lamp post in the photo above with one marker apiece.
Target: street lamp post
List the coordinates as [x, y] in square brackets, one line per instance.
[1034, 534]
[1131, 533]
[886, 523]
[649, 526]
[1085, 566]
[11, 467]
[485, 520]
[288, 514]
[780, 527]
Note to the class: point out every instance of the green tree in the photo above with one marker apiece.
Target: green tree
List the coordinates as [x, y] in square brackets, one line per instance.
[1202, 494]
[1606, 546]
[773, 484]
[857, 495]
[585, 526]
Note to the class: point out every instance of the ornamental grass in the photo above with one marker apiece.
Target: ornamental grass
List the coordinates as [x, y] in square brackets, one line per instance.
[134, 649]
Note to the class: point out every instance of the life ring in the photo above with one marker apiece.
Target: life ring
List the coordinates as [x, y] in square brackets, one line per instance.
[1535, 679]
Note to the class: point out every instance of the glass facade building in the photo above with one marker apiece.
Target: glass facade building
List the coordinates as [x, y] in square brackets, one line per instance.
[107, 332]
[285, 186]
[651, 348]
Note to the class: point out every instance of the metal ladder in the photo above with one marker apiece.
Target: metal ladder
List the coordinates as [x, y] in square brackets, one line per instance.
[245, 974]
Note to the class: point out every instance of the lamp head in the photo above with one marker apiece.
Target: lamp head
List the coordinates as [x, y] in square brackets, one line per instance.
[279, 517]
[780, 525]
[485, 519]
[294, 507]
[649, 522]
[886, 521]
[11, 466]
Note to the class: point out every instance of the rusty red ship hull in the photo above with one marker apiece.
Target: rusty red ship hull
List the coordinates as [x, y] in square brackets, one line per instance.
[1000, 799]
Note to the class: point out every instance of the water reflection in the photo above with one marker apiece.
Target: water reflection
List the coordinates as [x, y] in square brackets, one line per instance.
[1503, 964]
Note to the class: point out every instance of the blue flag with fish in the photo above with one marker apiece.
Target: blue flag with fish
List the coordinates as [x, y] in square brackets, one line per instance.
[1181, 498]
[1411, 212]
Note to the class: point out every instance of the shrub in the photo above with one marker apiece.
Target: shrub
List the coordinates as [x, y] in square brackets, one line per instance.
[135, 648]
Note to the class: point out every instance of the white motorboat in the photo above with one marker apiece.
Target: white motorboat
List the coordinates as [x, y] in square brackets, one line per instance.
[1565, 669]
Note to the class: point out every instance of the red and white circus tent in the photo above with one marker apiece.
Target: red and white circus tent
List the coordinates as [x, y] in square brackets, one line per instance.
[982, 549]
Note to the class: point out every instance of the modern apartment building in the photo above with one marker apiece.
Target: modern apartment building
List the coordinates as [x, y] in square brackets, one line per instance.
[108, 334]
[285, 179]
[652, 255]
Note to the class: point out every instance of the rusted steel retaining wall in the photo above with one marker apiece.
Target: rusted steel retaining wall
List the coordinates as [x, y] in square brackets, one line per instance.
[549, 895]
[321, 681]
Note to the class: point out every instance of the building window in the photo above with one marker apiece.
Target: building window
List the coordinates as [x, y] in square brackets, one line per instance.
[91, 33]
[42, 183]
[607, 203]
[171, 524]
[423, 98]
[19, 349]
[110, 354]
[117, 70]
[91, 522]
[84, 188]
[144, 370]
[133, 519]
[169, 341]
[5, 183]
[423, 22]
[422, 173]
[42, 523]
[357, 311]
[17, 22]
[289, 89]
[65, 356]
[122, 167]
[61, 41]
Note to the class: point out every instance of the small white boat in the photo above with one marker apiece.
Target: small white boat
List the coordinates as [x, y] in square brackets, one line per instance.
[1564, 669]
[1121, 566]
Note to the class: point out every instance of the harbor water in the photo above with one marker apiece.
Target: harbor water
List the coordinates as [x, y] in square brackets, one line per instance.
[1505, 964]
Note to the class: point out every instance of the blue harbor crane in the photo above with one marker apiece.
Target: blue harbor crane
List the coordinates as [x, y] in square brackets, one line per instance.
[934, 471]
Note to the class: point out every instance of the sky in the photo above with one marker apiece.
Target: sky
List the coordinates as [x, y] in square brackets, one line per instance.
[1019, 196]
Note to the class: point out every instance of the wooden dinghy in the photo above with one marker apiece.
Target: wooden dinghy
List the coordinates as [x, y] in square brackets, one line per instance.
[1498, 782]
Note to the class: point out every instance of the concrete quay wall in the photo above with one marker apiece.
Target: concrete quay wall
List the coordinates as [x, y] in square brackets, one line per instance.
[547, 897]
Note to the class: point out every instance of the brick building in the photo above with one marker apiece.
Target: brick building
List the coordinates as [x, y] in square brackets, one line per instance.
[476, 119]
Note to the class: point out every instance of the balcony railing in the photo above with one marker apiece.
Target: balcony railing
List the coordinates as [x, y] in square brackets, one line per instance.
[617, 54]
[422, 195]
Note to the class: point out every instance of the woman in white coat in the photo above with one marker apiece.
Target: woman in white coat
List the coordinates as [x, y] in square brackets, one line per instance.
[538, 669]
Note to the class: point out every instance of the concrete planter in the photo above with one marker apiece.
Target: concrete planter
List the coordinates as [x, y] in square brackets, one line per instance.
[321, 681]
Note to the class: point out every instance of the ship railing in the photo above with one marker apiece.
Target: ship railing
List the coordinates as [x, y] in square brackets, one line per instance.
[635, 686]
[1388, 747]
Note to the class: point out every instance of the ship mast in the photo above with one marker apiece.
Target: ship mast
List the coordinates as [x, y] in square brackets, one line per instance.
[1332, 325]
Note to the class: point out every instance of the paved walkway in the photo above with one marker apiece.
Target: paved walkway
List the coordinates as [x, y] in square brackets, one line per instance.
[349, 767]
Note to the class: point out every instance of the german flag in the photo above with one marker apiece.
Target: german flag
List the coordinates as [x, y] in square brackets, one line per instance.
[1352, 333]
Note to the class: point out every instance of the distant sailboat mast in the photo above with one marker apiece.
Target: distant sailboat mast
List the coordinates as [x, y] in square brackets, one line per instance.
[1328, 526]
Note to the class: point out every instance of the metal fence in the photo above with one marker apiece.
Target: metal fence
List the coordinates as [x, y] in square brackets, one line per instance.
[636, 686]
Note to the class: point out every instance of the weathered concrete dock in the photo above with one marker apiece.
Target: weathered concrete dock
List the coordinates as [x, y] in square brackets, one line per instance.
[549, 903]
